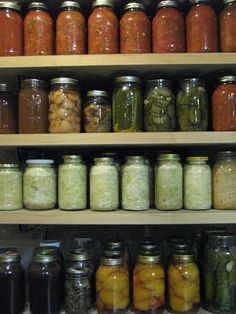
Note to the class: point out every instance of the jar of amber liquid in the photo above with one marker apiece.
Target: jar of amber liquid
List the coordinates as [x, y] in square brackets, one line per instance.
[228, 26]
[8, 110]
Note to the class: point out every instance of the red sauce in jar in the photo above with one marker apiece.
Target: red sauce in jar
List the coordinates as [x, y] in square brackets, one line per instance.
[228, 27]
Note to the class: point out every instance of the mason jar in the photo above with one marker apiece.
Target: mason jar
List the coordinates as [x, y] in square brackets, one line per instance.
[227, 23]
[83, 260]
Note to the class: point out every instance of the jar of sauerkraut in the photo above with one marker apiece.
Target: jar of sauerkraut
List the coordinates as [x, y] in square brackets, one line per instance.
[104, 186]
[72, 183]
[39, 184]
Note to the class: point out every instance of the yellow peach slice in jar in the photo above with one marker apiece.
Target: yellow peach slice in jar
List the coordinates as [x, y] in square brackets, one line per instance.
[151, 273]
[100, 305]
[156, 286]
[185, 289]
[104, 271]
[174, 274]
[114, 300]
[142, 305]
[117, 281]
[190, 271]
[141, 293]
[179, 305]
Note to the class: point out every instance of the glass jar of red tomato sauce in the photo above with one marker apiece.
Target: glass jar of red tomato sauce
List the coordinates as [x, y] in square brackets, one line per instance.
[224, 104]
[135, 29]
[168, 30]
[11, 25]
[228, 26]
[201, 27]
[38, 30]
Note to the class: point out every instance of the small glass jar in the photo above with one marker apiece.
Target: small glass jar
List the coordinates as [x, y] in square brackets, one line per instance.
[127, 104]
[135, 184]
[227, 21]
[8, 110]
[224, 180]
[39, 184]
[97, 112]
[168, 182]
[33, 107]
[65, 106]
[159, 106]
[192, 105]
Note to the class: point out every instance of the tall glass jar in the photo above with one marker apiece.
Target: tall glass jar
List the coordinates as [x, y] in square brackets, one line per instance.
[127, 105]
[159, 106]
[104, 186]
[192, 105]
[72, 183]
[8, 110]
[65, 106]
[224, 180]
[168, 182]
[227, 26]
[82, 260]
[33, 106]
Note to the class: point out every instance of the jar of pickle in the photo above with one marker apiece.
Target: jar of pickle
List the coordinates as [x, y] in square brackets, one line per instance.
[192, 105]
[65, 106]
[227, 26]
[8, 109]
[159, 106]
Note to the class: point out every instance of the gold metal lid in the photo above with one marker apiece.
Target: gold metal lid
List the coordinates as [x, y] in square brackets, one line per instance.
[78, 255]
[72, 158]
[199, 158]
[183, 258]
[98, 93]
[135, 158]
[64, 80]
[108, 261]
[98, 3]
[127, 79]
[10, 5]
[167, 3]
[168, 156]
[37, 5]
[134, 6]
[44, 257]
[149, 259]
[72, 4]
[103, 159]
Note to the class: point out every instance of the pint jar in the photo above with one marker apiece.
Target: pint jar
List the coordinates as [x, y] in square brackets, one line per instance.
[227, 21]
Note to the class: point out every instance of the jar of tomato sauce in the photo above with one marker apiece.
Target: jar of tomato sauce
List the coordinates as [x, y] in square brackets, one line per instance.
[70, 30]
[38, 30]
[11, 26]
[224, 104]
[168, 30]
[135, 29]
[103, 28]
[228, 26]
[201, 27]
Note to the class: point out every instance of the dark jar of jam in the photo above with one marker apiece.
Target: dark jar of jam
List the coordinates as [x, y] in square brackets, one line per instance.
[228, 26]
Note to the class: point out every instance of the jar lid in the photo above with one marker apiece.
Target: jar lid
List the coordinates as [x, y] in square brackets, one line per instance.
[187, 258]
[114, 245]
[64, 80]
[9, 257]
[108, 261]
[72, 158]
[221, 236]
[135, 158]
[159, 82]
[100, 93]
[113, 253]
[78, 255]
[37, 5]
[9, 166]
[99, 159]
[168, 156]
[228, 1]
[127, 79]
[8, 250]
[226, 154]
[10, 5]
[76, 271]
[39, 161]
[4, 87]
[53, 243]
[33, 83]
[199, 1]
[146, 259]
[46, 250]
[194, 81]
[98, 3]
[227, 78]
[72, 4]
[167, 3]
[200, 158]
[148, 246]
[44, 257]
[134, 5]
[181, 247]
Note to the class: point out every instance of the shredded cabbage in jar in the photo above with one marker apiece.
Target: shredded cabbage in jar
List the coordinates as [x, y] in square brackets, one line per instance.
[10, 189]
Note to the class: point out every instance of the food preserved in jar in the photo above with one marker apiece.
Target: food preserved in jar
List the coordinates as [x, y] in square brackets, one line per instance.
[135, 29]
[168, 29]
[70, 30]
[8, 110]
[227, 26]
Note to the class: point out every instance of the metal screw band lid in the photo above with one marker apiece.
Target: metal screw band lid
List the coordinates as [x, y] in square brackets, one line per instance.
[199, 1]
[64, 80]
[4, 87]
[112, 261]
[100, 93]
[128, 79]
[227, 78]
[71, 4]
[98, 3]
[9, 257]
[134, 6]
[9, 166]
[37, 5]
[167, 3]
[10, 5]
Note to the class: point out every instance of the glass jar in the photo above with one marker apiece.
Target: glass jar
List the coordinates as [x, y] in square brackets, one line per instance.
[70, 29]
[97, 112]
[103, 29]
[11, 25]
[33, 107]
[8, 110]
[227, 21]
[168, 182]
[65, 106]
[39, 184]
[224, 181]
[159, 106]
[168, 29]
[135, 184]
[38, 30]
[104, 186]
[10, 187]
[82, 260]
[127, 105]
[224, 104]
[192, 105]
[201, 27]
[135, 29]
[197, 184]
[72, 183]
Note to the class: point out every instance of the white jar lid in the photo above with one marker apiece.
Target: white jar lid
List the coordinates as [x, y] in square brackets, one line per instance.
[40, 161]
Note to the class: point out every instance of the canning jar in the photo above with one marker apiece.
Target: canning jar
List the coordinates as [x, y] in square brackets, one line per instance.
[65, 106]
[192, 105]
[70, 29]
[11, 26]
[103, 29]
[197, 184]
[135, 184]
[72, 183]
[224, 180]
[168, 29]
[104, 186]
[127, 105]
[8, 110]
[168, 182]
[38, 30]
[97, 112]
[224, 104]
[39, 184]
[227, 21]
[135, 29]
[201, 27]
[159, 106]
[33, 106]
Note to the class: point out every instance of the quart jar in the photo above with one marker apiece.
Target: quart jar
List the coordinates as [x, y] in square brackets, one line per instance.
[192, 105]
[33, 107]
[97, 112]
[72, 183]
[127, 104]
[135, 184]
[8, 110]
[224, 104]
[227, 21]
[159, 106]
[224, 180]
[83, 260]
[168, 182]
[104, 185]
[70, 29]
[65, 106]
[39, 184]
